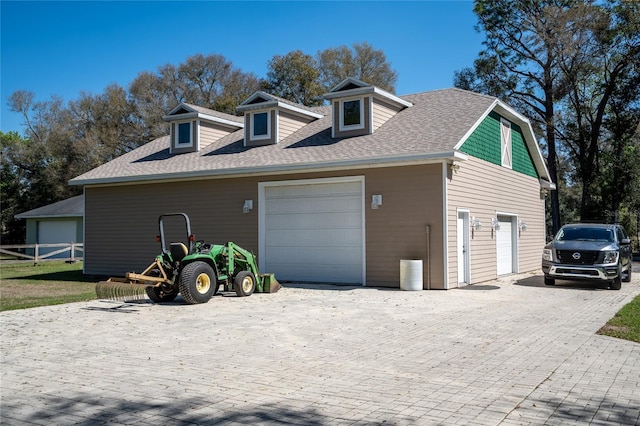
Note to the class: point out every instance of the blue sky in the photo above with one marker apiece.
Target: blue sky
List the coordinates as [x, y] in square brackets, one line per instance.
[64, 48]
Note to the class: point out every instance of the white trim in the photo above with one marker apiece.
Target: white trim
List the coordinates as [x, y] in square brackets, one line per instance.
[252, 135]
[506, 144]
[271, 102]
[445, 224]
[262, 213]
[176, 142]
[466, 237]
[341, 126]
[363, 89]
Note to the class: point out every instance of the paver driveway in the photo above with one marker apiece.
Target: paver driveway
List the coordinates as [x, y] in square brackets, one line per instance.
[509, 352]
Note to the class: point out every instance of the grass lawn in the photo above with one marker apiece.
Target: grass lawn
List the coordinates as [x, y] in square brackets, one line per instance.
[626, 323]
[23, 285]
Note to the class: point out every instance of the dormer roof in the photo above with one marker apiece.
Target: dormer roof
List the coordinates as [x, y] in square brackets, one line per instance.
[185, 111]
[263, 100]
[353, 87]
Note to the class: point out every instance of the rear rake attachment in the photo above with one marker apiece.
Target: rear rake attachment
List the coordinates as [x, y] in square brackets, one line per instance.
[121, 290]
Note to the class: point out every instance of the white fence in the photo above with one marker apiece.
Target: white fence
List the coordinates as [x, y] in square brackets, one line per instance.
[48, 251]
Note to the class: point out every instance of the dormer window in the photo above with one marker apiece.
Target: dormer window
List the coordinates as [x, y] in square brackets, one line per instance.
[193, 128]
[183, 135]
[260, 126]
[270, 119]
[351, 114]
[358, 108]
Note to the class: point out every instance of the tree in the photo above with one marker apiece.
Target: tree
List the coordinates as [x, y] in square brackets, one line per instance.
[537, 55]
[209, 81]
[294, 76]
[362, 61]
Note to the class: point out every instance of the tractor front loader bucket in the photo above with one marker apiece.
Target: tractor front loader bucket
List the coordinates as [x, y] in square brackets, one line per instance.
[134, 286]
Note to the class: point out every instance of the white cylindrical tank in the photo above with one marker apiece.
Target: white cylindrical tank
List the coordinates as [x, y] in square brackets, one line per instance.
[410, 274]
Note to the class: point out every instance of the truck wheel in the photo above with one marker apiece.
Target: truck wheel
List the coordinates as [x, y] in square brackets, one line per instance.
[549, 281]
[244, 283]
[197, 282]
[616, 284]
[627, 278]
[158, 296]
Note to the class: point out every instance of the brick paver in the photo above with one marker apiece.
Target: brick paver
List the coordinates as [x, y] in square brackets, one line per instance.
[511, 352]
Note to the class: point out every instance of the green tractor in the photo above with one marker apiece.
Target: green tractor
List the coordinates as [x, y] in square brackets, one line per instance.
[195, 269]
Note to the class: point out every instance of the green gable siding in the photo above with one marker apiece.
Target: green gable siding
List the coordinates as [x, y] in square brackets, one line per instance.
[484, 143]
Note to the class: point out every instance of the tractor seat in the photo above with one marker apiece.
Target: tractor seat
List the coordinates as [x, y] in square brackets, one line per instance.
[178, 251]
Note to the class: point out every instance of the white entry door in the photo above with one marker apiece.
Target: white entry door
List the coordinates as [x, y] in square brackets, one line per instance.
[506, 245]
[314, 232]
[463, 248]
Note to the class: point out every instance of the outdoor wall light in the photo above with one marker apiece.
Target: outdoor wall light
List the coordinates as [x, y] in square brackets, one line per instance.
[522, 226]
[248, 206]
[495, 226]
[376, 201]
[454, 167]
[476, 225]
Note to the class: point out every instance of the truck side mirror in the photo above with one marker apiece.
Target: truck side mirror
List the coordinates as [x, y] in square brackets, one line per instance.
[625, 241]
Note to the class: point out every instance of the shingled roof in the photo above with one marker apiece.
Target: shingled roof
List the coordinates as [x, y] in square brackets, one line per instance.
[428, 130]
[71, 207]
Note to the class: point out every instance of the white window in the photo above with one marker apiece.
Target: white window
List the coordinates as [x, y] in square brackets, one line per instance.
[505, 138]
[351, 114]
[183, 134]
[260, 125]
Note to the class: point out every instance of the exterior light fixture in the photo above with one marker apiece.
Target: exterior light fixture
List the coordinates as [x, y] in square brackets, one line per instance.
[476, 225]
[248, 206]
[495, 226]
[376, 201]
[522, 226]
[454, 167]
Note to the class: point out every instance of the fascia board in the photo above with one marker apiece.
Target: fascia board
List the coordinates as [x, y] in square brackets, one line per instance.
[207, 117]
[366, 91]
[47, 216]
[403, 160]
[280, 105]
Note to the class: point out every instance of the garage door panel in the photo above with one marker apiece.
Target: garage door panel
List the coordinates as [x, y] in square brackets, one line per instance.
[313, 237]
[314, 232]
[339, 220]
[314, 205]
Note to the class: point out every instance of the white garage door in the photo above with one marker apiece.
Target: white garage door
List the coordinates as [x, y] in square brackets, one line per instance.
[314, 232]
[504, 245]
[56, 232]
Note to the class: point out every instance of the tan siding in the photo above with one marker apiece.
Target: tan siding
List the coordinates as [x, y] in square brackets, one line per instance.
[486, 189]
[381, 113]
[411, 200]
[288, 124]
[122, 221]
[211, 132]
[350, 133]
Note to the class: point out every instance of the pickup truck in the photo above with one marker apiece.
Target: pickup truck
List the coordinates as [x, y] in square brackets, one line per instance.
[593, 252]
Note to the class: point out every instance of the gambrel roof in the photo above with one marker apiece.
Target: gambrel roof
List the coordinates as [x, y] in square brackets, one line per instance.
[431, 129]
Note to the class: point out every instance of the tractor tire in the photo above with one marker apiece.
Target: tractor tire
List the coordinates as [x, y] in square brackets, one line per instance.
[158, 296]
[244, 283]
[197, 283]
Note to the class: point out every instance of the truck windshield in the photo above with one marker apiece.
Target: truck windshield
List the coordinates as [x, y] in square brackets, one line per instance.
[585, 234]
